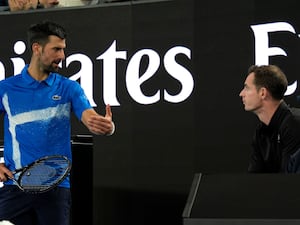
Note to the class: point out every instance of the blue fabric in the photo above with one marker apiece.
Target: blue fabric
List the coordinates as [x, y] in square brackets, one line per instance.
[37, 117]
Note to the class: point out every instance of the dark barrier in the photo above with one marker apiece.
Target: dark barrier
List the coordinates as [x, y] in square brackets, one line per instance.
[135, 207]
[82, 180]
[251, 199]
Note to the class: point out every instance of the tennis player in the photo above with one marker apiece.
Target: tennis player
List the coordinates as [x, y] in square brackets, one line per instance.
[37, 106]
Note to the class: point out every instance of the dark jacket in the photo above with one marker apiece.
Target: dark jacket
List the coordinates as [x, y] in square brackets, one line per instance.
[276, 146]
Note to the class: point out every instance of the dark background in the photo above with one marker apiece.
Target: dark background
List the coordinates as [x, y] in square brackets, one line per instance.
[142, 174]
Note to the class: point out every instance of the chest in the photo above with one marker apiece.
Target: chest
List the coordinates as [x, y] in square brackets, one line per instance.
[19, 100]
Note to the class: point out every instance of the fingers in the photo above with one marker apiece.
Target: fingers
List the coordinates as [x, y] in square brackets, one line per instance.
[4, 173]
[99, 124]
[3, 177]
[108, 111]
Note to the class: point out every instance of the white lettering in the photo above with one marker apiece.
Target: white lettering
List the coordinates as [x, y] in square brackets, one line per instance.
[85, 74]
[18, 63]
[180, 73]
[2, 71]
[110, 73]
[134, 80]
[262, 49]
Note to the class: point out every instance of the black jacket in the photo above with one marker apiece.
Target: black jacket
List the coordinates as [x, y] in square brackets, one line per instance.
[276, 146]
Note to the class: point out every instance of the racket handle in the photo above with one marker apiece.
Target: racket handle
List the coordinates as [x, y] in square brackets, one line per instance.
[16, 182]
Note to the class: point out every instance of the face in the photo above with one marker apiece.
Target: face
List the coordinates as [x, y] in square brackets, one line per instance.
[52, 54]
[17, 5]
[49, 3]
[251, 97]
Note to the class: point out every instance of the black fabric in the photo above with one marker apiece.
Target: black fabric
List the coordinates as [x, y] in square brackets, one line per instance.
[274, 145]
[3, 3]
[49, 208]
[294, 163]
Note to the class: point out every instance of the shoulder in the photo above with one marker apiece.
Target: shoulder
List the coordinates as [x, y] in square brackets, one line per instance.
[287, 112]
[10, 81]
[295, 111]
[10, 78]
[65, 80]
[294, 118]
[291, 121]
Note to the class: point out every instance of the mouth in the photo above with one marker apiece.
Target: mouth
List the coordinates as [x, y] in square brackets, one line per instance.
[54, 2]
[57, 62]
[55, 65]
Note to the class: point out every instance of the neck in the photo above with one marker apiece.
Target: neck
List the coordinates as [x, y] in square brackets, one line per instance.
[266, 113]
[37, 73]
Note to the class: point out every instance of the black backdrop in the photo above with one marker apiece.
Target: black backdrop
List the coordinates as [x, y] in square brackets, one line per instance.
[142, 174]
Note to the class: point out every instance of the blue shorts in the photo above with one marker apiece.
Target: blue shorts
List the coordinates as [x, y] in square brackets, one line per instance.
[49, 208]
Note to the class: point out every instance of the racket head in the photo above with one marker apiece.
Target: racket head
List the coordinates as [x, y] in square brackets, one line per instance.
[44, 174]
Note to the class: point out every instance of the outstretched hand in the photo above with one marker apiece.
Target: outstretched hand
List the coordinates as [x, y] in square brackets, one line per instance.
[98, 124]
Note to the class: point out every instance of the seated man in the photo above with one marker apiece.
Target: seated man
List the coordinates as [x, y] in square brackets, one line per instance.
[276, 140]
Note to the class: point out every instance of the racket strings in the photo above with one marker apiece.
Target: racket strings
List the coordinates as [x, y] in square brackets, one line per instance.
[44, 174]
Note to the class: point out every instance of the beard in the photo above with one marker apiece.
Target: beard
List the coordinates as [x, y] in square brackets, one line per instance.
[52, 68]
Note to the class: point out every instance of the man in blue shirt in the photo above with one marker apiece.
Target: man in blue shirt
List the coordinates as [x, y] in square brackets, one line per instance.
[37, 106]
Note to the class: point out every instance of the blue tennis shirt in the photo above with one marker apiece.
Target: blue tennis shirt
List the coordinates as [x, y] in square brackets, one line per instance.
[37, 117]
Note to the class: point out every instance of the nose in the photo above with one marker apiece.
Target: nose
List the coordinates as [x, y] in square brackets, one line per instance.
[241, 93]
[62, 54]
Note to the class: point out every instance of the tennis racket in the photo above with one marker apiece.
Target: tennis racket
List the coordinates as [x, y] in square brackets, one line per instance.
[43, 174]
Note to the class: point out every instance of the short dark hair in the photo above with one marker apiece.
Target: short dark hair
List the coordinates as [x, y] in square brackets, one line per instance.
[40, 32]
[271, 77]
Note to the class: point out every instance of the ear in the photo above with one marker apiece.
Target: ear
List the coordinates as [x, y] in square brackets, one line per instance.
[263, 92]
[36, 48]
